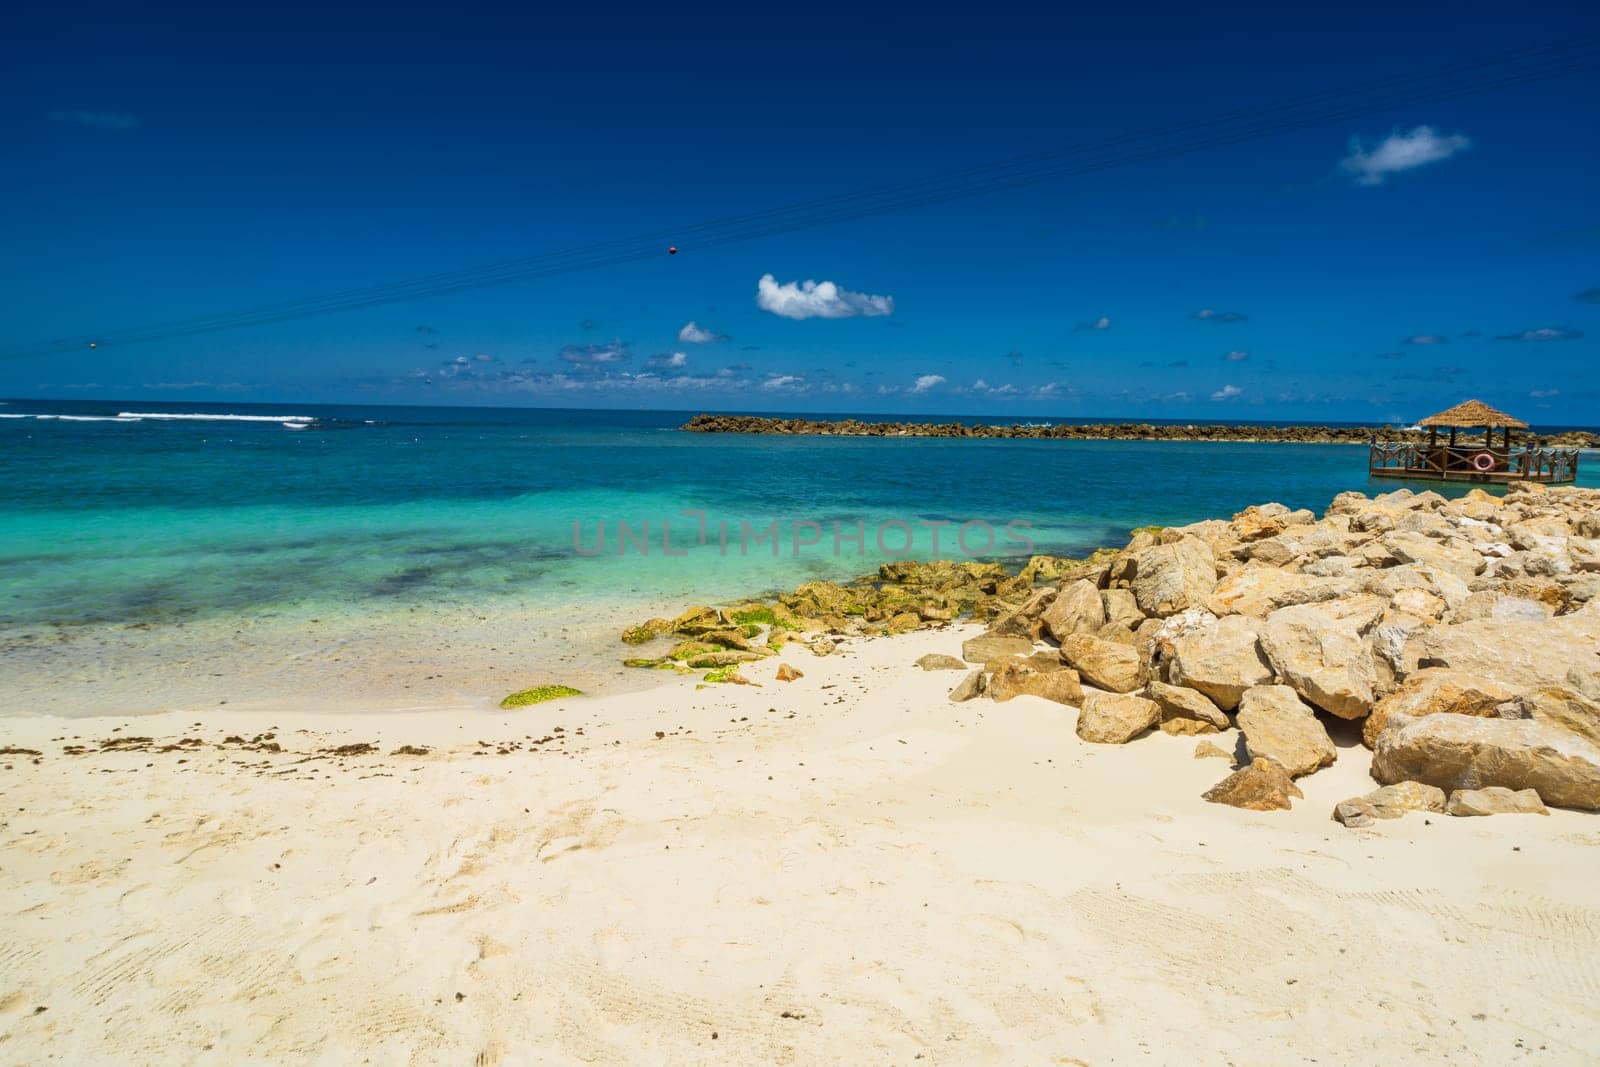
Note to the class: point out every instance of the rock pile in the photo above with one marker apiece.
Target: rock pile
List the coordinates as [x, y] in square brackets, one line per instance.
[1459, 639]
[1117, 431]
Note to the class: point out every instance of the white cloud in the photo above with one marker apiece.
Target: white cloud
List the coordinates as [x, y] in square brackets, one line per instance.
[1400, 152]
[670, 359]
[1238, 355]
[817, 300]
[1543, 394]
[925, 382]
[1227, 392]
[692, 334]
[614, 352]
[782, 381]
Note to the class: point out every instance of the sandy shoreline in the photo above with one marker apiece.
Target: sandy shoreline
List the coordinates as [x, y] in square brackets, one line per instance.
[864, 873]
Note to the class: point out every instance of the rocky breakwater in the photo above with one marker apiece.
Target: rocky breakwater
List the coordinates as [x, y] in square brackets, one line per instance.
[1126, 431]
[1458, 639]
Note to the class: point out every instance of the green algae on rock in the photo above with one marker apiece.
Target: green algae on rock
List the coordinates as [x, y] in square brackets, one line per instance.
[539, 694]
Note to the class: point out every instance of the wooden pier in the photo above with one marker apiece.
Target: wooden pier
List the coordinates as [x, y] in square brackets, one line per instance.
[1457, 460]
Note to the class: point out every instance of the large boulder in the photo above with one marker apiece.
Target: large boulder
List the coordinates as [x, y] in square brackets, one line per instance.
[1412, 547]
[1169, 578]
[987, 647]
[1277, 725]
[1115, 718]
[1186, 711]
[1257, 590]
[1221, 660]
[1520, 654]
[1469, 752]
[1122, 608]
[1014, 677]
[1559, 707]
[939, 661]
[1435, 690]
[1077, 609]
[1104, 664]
[1262, 785]
[1321, 654]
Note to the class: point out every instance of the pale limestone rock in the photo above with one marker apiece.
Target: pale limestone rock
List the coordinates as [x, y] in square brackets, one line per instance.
[1186, 711]
[987, 647]
[1115, 718]
[1205, 749]
[1496, 800]
[1469, 752]
[1323, 657]
[1262, 785]
[1258, 589]
[1221, 660]
[1559, 707]
[1276, 724]
[1103, 664]
[787, 673]
[938, 661]
[1523, 655]
[1389, 802]
[1076, 609]
[1018, 677]
[1169, 578]
[1434, 690]
[969, 687]
[1121, 608]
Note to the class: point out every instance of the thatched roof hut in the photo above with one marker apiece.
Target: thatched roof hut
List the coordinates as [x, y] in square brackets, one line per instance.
[1471, 414]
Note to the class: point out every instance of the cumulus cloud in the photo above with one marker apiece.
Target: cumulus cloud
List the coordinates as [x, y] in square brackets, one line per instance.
[1238, 355]
[817, 300]
[594, 355]
[672, 360]
[1227, 392]
[1400, 152]
[691, 334]
[1426, 339]
[925, 382]
[1543, 333]
[1213, 315]
[1102, 323]
[100, 120]
[782, 381]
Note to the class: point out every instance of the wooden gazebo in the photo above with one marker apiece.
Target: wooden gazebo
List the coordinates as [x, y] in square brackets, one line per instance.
[1461, 460]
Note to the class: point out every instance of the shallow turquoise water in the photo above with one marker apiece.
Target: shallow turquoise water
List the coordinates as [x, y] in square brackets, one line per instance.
[369, 508]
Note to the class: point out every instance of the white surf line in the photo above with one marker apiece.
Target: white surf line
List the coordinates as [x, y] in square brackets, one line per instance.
[204, 417]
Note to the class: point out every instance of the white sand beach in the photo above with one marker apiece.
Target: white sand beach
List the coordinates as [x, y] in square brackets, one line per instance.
[844, 868]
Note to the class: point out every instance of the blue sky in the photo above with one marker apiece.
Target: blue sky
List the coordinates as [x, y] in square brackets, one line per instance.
[176, 163]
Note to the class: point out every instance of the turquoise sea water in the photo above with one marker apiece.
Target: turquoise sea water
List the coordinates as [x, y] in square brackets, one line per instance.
[108, 519]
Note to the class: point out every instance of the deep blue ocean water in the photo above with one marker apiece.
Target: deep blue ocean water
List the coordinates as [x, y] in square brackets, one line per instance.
[117, 519]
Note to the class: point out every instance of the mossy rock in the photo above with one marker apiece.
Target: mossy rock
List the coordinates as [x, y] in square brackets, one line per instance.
[690, 649]
[539, 694]
[905, 622]
[723, 658]
[726, 674]
[753, 614]
[697, 620]
[646, 631]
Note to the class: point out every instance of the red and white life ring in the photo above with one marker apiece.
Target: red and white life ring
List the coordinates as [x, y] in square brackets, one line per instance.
[1483, 462]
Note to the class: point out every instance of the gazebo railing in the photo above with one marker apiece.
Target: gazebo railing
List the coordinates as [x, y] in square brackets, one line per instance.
[1458, 461]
